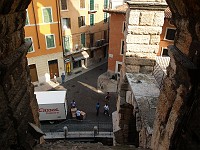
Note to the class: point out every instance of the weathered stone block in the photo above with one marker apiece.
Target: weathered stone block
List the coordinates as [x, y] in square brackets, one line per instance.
[140, 55]
[132, 69]
[136, 48]
[139, 61]
[146, 69]
[138, 39]
[159, 18]
[144, 30]
[146, 18]
[155, 39]
[133, 17]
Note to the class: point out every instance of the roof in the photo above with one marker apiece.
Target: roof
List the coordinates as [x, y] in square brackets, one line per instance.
[146, 91]
[50, 97]
[119, 9]
[168, 13]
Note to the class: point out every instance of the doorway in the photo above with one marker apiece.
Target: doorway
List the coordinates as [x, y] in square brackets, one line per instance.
[33, 73]
[53, 68]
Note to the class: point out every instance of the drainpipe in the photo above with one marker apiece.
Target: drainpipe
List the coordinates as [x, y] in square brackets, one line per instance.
[60, 31]
[38, 41]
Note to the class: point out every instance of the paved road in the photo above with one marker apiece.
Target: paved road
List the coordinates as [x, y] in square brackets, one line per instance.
[83, 89]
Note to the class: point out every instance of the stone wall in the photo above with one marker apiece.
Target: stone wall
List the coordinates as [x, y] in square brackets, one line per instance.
[18, 105]
[177, 123]
[142, 35]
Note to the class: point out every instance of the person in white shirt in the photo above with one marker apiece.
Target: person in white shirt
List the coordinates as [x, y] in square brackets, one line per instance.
[106, 110]
[78, 114]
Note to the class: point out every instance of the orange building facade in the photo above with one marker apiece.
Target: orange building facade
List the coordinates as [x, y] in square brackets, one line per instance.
[66, 36]
[45, 57]
[116, 38]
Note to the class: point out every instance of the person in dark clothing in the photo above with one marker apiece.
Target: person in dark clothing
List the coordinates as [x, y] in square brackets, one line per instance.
[97, 108]
[63, 77]
[107, 98]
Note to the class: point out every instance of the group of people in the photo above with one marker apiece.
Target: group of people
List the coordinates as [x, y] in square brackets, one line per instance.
[78, 112]
[106, 107]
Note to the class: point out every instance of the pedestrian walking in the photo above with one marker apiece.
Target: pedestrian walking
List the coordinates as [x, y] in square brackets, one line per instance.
[63, 77]
[106, 110]
[78, 114]
[73, 104]
[55, 78]
[97, 109]
[107, 98]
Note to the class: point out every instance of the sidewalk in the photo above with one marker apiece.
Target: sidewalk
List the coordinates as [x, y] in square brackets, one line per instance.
[49, 85]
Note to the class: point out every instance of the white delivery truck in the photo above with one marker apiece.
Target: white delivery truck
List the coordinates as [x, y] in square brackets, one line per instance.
[52, 105]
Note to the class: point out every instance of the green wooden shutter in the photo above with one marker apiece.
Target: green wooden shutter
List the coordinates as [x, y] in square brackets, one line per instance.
[66, 43]
[105, 17]
[91, 4]
[50, 41]
[91, 19]
[47, 15]
[105, 4]
[83, 39]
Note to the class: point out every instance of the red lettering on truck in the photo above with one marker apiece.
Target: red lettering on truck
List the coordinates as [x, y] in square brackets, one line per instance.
[49, 110]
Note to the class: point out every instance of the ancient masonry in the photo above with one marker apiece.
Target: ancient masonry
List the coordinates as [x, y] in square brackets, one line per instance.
[18, 105]
[144, 26]
[177, 122]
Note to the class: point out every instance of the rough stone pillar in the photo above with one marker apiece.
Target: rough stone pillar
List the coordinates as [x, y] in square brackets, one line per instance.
[18, 105]
[144, 26]
[144, 21]
[177, 122]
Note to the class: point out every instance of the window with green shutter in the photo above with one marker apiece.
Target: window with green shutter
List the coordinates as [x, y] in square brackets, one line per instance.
[91, 19]
[47, 15]
[105, 4]
[50, 43]
[66, 42]
[29, 39]
[105, 17]
[91, 4]
[83, 39]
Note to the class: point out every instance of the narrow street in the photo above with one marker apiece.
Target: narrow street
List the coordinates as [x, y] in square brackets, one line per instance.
[83, 89]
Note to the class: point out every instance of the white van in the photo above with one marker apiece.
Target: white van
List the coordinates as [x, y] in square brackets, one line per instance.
[52, 105]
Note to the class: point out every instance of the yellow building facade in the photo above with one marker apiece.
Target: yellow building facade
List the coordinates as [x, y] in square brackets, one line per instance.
[84, 32]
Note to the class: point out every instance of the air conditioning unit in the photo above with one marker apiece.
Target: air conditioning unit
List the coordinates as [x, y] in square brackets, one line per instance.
[76, 46]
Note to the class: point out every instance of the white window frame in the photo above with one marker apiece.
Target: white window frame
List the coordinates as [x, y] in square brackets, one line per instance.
[46, 41]
[43, 15]
[27, 16]
[162, 52]
[123, 26]
[65, 28]
[80, 5]
[121, 47]
[61, 6]
[116, 66]
[32, 43]
[166, 33]
[84, 20]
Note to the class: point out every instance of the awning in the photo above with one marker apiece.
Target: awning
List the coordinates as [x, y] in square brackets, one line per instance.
[80, 56]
